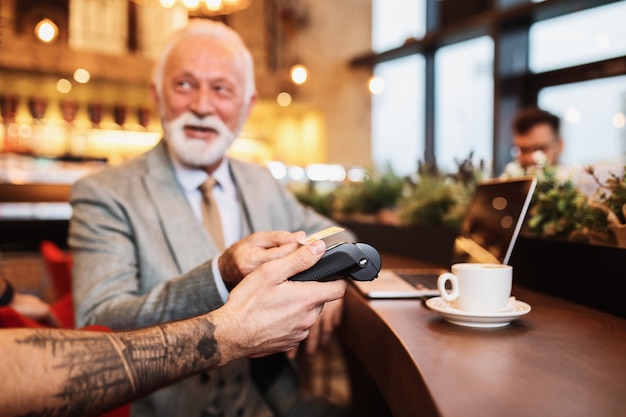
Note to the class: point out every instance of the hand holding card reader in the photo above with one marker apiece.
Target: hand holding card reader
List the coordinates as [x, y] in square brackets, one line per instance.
[359, 261]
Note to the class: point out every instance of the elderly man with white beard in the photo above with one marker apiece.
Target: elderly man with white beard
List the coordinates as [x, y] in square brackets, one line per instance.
[141, 255]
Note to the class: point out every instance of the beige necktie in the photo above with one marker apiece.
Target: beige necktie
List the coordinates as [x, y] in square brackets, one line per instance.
[211, 214]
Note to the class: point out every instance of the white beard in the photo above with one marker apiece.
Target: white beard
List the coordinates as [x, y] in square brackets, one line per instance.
[193, 152]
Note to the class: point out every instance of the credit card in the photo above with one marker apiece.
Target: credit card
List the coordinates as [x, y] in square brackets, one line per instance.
[324, 233]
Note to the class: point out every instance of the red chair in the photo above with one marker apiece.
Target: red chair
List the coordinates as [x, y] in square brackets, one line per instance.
[59, 267]
[62, 310]
[10, 318]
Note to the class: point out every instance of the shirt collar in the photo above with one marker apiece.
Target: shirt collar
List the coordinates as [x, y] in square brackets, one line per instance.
[191, 178]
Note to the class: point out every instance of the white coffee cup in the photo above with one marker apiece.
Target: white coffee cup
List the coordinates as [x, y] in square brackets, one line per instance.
[476, 287]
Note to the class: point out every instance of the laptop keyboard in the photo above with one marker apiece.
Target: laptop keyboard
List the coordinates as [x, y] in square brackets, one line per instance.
[421, 280]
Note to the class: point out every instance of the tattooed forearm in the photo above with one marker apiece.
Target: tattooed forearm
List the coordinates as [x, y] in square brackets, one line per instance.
[85, 373]
[163, 352]
[90, 367]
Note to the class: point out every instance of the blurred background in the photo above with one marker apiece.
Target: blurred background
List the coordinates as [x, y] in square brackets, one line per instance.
[386, 82]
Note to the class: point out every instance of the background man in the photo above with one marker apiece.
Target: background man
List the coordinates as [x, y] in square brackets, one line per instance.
[140, 253]
[537, 130]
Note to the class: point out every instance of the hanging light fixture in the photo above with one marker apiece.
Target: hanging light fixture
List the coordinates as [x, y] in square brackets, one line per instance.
[208, 7]
[299, 74]
[46, 31]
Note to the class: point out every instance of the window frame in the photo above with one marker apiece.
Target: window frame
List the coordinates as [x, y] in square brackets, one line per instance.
[508, 22]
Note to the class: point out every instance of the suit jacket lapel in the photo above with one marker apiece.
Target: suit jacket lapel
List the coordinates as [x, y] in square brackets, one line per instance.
[188, 242]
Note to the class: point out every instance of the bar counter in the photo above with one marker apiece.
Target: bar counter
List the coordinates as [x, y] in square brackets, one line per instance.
[560, 359]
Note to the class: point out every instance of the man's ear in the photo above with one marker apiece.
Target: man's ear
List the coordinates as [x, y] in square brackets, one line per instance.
[154, 95]
[253, 100]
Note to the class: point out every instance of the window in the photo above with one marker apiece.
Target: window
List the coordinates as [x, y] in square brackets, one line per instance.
[398, 115]
[464, 102]
[592, 119]
[578, 38]
[541, 45]
[398, 111]
[394, 21]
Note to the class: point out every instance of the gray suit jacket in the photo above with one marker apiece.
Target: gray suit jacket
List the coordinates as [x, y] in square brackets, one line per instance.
[140, 257]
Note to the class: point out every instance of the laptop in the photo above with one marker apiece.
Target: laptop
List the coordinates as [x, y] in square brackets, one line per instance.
[488, 233]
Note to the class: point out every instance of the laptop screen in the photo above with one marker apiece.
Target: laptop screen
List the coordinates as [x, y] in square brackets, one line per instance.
[493, 220]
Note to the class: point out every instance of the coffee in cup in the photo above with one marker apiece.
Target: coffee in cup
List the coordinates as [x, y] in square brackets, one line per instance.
[477, 287]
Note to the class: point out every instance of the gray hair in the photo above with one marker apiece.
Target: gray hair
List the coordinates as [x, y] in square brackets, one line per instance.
[210, 29]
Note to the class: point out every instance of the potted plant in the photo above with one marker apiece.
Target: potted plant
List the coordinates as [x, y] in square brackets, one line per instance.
[440, 199]
[558, 209]
[309, 195]
[366, 200]
[610, 200]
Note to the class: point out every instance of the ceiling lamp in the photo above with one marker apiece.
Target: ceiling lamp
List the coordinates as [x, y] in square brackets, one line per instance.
[299, 74]
[208, 7]
[82, 76]
[46, 30]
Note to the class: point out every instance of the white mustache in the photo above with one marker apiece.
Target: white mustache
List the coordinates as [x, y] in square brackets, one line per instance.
[196, 153]
[209, 122]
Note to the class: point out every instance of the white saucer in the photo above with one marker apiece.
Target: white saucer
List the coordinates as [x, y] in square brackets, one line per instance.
[465, 318]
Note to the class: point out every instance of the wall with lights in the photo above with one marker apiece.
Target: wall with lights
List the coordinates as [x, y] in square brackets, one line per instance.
[324, 119]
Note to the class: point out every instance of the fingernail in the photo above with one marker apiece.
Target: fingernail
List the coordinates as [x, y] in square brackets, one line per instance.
[317, 247]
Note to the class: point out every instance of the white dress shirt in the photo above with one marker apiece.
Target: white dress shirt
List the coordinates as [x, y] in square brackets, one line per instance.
[225, 195]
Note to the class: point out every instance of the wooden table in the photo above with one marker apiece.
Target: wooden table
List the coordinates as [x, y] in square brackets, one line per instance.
[561, 359]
